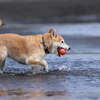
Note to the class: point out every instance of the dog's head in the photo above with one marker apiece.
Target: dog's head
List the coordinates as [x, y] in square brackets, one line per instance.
[56, 42]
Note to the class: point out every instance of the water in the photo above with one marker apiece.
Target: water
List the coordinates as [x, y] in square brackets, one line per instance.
[75, 76]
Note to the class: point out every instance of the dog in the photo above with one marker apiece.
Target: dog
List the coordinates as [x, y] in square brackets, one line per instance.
[30, 50]
[1, 23]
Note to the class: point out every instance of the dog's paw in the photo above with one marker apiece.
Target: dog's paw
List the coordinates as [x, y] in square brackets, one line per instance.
[46, 70]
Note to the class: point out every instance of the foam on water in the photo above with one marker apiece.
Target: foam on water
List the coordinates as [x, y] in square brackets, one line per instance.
[64, 68]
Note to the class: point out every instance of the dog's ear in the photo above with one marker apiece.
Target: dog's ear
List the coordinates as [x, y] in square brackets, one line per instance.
[53, 32]
[1, 23]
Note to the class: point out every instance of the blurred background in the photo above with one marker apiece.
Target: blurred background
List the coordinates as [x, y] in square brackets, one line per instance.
[71, 17]
[49, 11]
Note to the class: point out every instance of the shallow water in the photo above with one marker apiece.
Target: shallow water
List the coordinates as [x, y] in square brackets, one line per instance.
[74, 76]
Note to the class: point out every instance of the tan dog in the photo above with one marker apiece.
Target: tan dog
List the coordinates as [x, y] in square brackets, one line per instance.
[1, 23]
[30, 50]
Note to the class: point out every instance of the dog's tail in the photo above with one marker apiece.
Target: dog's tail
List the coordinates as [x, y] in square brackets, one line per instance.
[1, 23]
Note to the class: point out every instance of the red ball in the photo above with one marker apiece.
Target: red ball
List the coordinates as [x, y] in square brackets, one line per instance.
[62, 51]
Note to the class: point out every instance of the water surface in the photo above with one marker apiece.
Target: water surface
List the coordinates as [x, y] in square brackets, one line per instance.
[74, 76]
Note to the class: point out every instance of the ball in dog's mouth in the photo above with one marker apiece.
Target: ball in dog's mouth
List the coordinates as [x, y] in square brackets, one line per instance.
[61, 51]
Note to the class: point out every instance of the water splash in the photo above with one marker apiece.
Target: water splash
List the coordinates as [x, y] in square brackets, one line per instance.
[64, 68]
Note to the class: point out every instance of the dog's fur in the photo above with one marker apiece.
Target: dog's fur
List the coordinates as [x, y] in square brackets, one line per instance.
[29, 50]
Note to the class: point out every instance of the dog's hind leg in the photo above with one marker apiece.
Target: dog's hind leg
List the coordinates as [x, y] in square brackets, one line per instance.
[3, 55]
[2, 64]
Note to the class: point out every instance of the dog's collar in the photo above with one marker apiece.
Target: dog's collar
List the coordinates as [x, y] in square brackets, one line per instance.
[44, 46]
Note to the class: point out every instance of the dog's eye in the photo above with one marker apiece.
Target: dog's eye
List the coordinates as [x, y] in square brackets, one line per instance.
[62, 41]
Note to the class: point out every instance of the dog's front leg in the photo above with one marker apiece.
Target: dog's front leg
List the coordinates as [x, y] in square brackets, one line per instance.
[39, 62]
[46, 68]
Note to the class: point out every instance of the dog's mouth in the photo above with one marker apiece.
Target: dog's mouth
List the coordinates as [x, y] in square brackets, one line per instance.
[58, 50]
